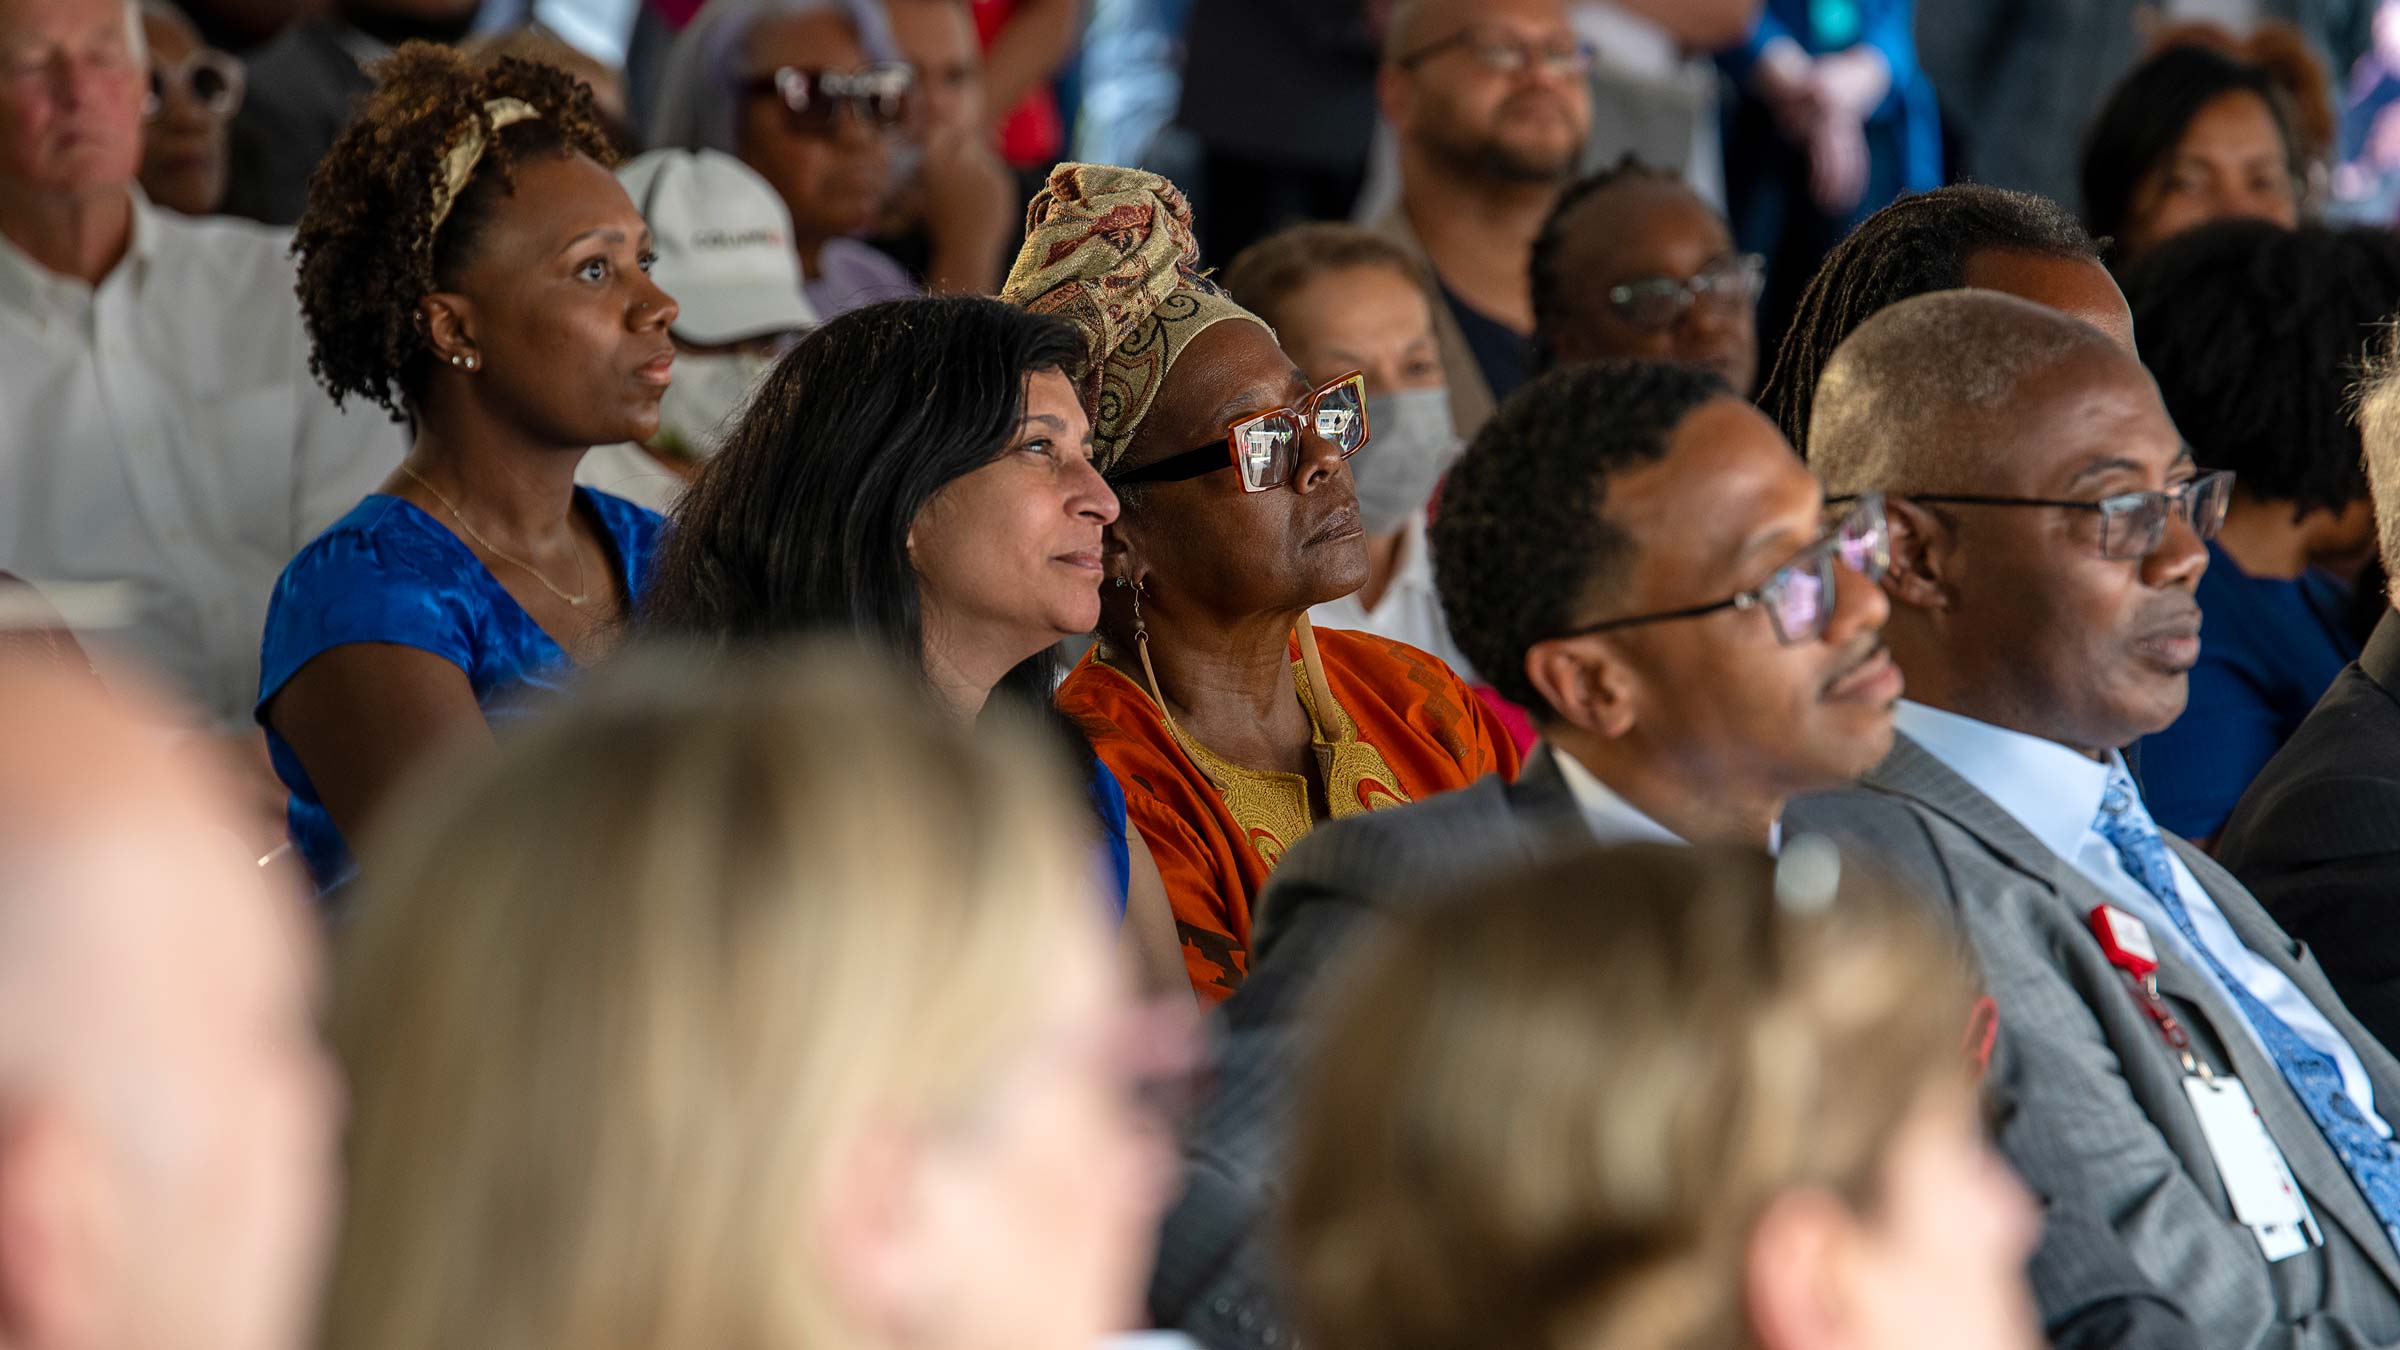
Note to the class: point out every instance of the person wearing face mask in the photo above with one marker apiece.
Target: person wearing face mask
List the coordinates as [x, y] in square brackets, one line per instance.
[724, 243]
[1343, 298]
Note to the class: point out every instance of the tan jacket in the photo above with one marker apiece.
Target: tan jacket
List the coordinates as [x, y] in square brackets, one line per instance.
[1470, 396]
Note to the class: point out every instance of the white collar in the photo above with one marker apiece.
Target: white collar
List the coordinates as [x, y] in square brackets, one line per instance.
[1612, 819]
[26, 284]
[2053, 791]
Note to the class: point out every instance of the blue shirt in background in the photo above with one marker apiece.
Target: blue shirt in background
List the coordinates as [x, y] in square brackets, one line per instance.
[2269, 649]
[389, 572]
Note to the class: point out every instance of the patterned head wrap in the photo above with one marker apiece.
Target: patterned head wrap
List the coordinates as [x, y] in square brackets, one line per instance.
[1110, 251]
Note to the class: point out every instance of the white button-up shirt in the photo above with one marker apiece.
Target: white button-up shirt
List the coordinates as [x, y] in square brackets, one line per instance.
[162, 430]
[2054, 792]
[1409, 610]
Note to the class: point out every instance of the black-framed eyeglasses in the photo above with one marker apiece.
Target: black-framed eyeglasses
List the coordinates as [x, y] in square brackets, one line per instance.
[1506, 54]
[2132, 524]
[813, 100]
[1266, 446]
[211, 79]
[1799, 597]
[1654, 303]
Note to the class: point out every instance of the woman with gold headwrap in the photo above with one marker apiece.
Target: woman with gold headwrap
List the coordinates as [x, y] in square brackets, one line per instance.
[1233, 726]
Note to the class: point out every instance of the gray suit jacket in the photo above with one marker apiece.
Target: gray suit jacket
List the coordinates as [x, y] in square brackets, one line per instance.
[1217, 1272]
[2096, 1101]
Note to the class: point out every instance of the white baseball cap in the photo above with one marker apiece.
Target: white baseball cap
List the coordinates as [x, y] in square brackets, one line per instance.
[724, 245]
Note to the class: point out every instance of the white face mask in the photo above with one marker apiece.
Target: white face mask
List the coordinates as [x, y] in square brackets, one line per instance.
[706, 397]
[1410, 444]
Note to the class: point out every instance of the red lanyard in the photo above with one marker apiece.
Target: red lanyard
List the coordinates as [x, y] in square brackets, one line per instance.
[2126, 943]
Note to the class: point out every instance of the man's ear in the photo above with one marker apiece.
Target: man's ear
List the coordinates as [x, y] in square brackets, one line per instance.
[1586, 683]
[448, 322]
[54, 1239]
[1924, 556]
[1795, 1270]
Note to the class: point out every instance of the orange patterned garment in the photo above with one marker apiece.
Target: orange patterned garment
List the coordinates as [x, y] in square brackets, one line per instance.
[1402, 729]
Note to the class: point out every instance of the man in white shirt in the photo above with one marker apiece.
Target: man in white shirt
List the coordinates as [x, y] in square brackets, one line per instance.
[160, 427]
[2048, 528]
[1633, 553]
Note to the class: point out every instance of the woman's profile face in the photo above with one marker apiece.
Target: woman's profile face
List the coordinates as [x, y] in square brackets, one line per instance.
[1206, 543]
[1008, 557]
[2231, 163]
[569, 332]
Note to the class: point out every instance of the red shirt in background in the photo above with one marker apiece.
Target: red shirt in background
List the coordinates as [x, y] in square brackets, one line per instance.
[1031, 137]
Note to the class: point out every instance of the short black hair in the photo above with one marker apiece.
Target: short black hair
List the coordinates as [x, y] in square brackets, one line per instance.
[2256, 334]
[1520, 542]
[2146, 115]
[1915, 246]
[1549, 287]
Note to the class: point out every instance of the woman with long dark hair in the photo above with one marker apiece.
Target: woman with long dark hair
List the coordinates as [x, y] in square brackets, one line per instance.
[920, 472]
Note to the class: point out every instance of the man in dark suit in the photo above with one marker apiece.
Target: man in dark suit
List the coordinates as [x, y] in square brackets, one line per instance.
[2170, 1058]
[1634, 553]
[2317, 836]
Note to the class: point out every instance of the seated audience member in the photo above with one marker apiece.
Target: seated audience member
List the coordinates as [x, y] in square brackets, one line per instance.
[194, 92]
[160, 429]
[1727, 1107]
[2048, 527]
[967, 545]
[1340, 298]
[812, 94]
[306, 85]
[1490, 101]
[2255, 334]
[700, 1015]
[2305, 87]
[955, 215]
[723, 248]
[468, 262]
[2189, 135]
[1963, 235]
[1636, 556]
[1634, 266]
[2317, 836]
[1235, 727]
[167, 1114]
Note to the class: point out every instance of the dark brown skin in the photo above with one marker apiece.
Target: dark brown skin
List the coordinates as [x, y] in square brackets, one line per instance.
[1224, 574]
[1641, 228]
[567, 333]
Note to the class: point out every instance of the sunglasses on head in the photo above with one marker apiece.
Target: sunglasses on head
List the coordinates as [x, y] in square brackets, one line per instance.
[209, 79]
[813, 100]
[1799, 596]
[1266, 446]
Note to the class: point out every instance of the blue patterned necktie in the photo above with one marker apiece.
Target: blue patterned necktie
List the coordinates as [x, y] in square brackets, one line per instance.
[2315, 1079]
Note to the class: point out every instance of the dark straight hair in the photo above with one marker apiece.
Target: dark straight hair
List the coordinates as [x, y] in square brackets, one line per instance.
[2145, 118]
[800, 524]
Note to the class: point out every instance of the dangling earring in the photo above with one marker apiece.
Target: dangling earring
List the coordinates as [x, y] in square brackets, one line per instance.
[1141, 645]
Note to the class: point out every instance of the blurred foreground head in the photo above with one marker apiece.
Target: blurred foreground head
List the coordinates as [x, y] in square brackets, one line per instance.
[760, 1006]
[166, 1112]
[1661, 1098]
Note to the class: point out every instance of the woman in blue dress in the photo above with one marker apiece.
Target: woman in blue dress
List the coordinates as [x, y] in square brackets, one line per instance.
[919, 472]
[469, 263]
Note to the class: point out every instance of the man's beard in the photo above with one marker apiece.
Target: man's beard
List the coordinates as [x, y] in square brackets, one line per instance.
[1490, 158]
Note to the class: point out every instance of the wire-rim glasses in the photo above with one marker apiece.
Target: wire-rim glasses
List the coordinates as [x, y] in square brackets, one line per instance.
[1799, 597]
[2132, 524]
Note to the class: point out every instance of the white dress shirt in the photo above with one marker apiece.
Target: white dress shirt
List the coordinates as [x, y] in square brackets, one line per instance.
[1409, 610]
[162, 430]
[1613, 820]
[2054, 792]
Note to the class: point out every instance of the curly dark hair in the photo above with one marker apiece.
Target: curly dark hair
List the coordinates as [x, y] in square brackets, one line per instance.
[1550, 290]
[2256, 334]
[1917, 245]
[1521, 545]
[367, 245]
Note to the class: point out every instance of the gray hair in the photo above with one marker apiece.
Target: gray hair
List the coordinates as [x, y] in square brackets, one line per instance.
[697, 98]
[1917, 393]
[2378, 397]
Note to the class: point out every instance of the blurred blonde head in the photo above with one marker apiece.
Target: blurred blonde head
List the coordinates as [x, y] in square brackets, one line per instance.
[2378, 411]
[679, 1022]
[1633, 1100]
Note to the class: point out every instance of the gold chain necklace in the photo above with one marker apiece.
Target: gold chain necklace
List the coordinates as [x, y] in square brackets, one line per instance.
[509, 558]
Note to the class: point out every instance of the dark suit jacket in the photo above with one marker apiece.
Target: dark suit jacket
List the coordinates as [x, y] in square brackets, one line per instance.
[2096, 1104]
[1216, 1277]
[2317, 836]
[303, 86]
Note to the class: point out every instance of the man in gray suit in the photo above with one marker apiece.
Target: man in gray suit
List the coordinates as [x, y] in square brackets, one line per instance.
[2047, 530]
[1631, 551]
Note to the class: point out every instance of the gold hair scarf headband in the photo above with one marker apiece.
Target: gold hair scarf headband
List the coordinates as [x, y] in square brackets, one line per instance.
[458, 163]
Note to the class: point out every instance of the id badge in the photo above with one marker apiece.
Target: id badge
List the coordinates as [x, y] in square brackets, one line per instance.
[2265, 1198]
